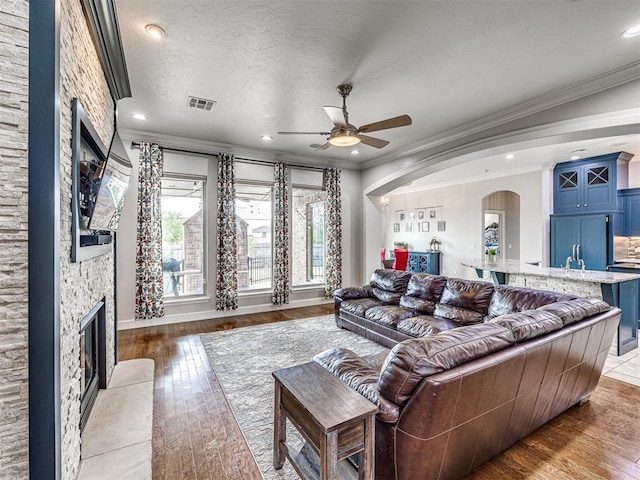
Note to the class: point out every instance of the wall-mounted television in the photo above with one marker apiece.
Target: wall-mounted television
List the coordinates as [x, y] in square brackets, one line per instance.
[109, 200]
[99, 185]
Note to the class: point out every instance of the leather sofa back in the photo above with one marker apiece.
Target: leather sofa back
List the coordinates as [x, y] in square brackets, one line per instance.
[508, 299]
[389, 285]
[409, 362]
[464, 301]
[423, 292]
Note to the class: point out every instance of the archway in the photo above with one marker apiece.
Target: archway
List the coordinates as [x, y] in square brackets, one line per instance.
[501, 224]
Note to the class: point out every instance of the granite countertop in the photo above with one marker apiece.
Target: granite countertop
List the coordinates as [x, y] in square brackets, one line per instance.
[626, 265]
[522, 268]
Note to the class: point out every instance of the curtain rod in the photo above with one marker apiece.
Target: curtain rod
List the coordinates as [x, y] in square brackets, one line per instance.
[238, 159]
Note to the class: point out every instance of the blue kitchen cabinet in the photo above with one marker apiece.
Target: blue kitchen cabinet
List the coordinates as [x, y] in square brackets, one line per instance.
[424, 262]
[589, 185]
[585, 237]
[630, 200]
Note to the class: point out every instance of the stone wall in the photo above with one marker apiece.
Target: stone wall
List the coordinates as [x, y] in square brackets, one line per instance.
[14, 90]
[86, 283]
[634, 248]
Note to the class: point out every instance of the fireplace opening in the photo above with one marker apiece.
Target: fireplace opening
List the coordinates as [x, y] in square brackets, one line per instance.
[92, 359]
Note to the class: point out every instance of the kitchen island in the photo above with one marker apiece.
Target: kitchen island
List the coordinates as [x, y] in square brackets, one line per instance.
[617, 289]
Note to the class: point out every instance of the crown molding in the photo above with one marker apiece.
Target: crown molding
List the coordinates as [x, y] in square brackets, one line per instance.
[206, 147]
[591, 86]
[102, 20]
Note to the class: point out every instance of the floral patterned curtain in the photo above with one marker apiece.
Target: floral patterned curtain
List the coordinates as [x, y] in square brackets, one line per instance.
[280, 294]
[333, 232]
[227, 253]
[149, 286]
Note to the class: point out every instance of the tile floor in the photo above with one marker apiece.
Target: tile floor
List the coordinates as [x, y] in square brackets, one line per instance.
[116, 442]
[625, 368]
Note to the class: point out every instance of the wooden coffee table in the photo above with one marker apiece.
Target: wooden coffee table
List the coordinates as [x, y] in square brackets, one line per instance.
[335, 421]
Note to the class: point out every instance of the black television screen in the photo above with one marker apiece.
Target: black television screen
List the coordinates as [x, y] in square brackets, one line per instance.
[108, 203]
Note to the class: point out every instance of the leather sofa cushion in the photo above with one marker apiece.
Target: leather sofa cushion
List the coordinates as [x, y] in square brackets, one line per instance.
[572, 311]
[461, 316]
[361, 376]
[388, 315]
[386, 296]
[389, 285]
[418, 304]
[412, 360]
[427, 287]
[424, 325]
[529, 324]
[359, 306]
[348, 293]
[508, 299]
[468, 295]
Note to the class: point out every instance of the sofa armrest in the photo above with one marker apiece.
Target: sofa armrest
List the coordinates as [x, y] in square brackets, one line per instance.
[361, 376]
[349, 293]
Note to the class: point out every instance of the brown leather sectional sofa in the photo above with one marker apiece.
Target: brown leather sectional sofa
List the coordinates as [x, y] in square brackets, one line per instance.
[474, 367]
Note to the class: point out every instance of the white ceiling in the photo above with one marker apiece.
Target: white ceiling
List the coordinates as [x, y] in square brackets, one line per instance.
[272, 64]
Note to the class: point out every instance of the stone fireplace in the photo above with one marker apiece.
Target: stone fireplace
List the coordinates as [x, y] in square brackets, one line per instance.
[93, 371]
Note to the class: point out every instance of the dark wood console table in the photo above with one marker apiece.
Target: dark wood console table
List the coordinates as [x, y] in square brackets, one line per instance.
[335, 421]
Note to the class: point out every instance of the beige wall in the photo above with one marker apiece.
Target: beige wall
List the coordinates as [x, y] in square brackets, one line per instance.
[14, 90]
[462, 212]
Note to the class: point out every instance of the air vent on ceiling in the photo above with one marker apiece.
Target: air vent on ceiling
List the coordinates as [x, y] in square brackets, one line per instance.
[201, 103]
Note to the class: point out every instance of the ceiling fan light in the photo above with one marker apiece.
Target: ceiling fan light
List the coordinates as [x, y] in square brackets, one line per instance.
[344, 139]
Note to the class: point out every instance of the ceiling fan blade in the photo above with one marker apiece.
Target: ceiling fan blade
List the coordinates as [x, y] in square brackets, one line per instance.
[324, 147]
[336, 115]
[373, 142]
[394, 122]
[304, 133]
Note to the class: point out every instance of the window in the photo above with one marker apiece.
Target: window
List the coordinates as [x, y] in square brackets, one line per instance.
[253, 223]
[183, 237]
[307, 227]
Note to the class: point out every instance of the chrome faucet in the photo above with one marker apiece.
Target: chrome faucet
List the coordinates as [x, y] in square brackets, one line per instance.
[581, 262]
[567, 265]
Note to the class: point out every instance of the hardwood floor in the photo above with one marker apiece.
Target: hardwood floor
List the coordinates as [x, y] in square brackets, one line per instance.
[195, 435]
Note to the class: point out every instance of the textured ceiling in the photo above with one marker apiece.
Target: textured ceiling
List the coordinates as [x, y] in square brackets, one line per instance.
[272, 65]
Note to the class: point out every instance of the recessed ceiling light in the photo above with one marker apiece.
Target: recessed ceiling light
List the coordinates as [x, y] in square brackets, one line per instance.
[575, 157]
[509, 156]
[266, 138]
[139, 116]
[155, 31]
[631, 32]
[355, 152]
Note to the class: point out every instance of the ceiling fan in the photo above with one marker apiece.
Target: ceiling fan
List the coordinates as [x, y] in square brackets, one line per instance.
[343, 134]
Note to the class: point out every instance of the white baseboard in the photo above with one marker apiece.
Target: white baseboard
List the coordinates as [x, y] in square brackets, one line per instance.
[213, 314]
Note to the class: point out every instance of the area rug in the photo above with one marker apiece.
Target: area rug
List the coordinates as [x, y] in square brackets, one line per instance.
[244, 358]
